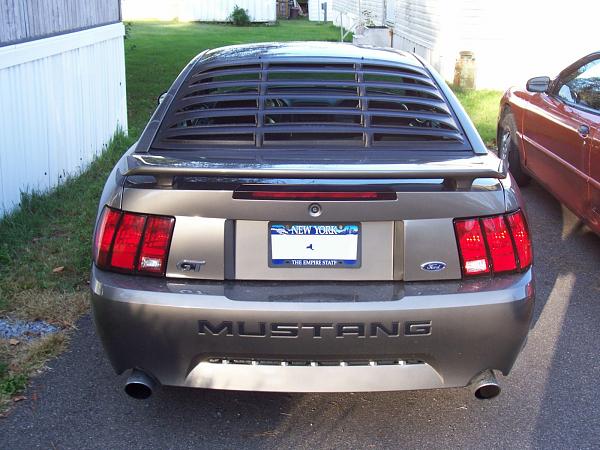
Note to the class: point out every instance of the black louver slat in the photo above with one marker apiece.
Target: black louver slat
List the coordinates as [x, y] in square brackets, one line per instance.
[284, 103]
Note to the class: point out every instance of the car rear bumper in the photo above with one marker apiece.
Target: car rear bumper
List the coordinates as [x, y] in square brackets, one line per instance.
[312, 336]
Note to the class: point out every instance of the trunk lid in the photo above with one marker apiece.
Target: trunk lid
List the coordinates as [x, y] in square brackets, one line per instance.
[228, 236]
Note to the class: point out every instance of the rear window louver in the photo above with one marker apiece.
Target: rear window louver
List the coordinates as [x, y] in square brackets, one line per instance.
[275, 104]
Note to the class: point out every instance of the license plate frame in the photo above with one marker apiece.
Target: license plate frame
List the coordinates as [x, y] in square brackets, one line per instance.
[350, 232]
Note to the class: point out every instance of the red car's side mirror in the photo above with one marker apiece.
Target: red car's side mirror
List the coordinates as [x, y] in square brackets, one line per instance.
[538, 84]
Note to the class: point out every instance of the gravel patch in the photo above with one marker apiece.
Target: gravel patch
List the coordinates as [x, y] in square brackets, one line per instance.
[12, 328]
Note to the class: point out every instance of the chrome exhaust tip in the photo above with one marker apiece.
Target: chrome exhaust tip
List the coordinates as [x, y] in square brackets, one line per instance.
[139, 385]
[485, 385]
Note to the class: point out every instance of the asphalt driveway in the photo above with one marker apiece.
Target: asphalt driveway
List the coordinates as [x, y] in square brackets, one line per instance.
[551, 399]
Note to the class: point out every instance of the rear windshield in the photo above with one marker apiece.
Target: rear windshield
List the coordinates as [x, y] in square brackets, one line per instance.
[317, 105]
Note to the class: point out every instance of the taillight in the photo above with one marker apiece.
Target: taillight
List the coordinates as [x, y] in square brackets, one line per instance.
[499, 243]
[494, 244]
[104, 235]
[155, 246]
[472, 247]
[520, 232]
[127, 241]
[134, 243]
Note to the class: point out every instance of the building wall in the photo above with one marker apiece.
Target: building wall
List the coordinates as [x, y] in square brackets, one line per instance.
[316, 13]
[516, 40]
[375, 8]
[25, 20]
[219, 10]
[62, 99]
[512, 40]
[194, 10]
[347, 12]
[418, 27]
[419, 21]
[346, 6]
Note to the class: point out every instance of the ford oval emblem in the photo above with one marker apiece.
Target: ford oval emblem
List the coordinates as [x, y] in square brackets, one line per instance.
[433, 266]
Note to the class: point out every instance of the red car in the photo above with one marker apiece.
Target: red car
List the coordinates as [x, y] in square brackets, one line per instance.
[551, 132]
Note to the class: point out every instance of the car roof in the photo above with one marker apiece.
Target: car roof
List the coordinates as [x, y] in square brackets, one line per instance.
[308, 50]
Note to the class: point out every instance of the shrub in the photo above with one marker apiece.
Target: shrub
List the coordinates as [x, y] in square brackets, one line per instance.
[239, 17]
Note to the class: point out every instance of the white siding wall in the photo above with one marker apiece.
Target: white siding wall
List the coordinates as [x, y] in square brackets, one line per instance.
[513, 40]
[26, 20]
[315, 13]
[197, 10]
[390, 12]
[417, 28]
[346, 6]
[219, 10]
[419, 21]
[62, 99]
[150, 9]
[348, 11]
[374, 7]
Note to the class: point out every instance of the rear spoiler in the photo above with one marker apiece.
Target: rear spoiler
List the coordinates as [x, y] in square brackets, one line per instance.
[459, 173]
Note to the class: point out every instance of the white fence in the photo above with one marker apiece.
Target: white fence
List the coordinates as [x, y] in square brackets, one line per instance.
[197, 10]
[62, 99]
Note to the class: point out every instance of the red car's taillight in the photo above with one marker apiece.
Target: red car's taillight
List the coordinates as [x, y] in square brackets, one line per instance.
[130, 242]
[493, 244]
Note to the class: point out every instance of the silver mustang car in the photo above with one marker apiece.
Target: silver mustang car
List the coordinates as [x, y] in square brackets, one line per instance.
[311, 217]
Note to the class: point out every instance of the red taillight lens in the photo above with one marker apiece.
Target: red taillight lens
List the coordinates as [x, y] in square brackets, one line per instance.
[105, 234]
[127, 241]
[493, 244]
[132, 242]
[520, 232]
[157, 236]
[473, 254]
[500, 244]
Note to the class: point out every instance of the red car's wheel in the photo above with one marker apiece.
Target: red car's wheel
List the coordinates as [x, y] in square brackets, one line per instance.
[508, 148]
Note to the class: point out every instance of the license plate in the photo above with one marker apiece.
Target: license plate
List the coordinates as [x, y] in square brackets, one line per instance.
[314, 245]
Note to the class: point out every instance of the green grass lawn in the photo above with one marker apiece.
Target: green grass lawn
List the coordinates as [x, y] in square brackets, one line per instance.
[482, 106]
[156, 52]
[45, 247]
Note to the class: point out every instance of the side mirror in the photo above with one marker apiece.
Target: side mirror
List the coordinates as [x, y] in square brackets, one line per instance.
[160, 98]
[538, 84]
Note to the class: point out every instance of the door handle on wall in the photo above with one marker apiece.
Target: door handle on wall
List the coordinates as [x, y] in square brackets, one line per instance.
[583, 130]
